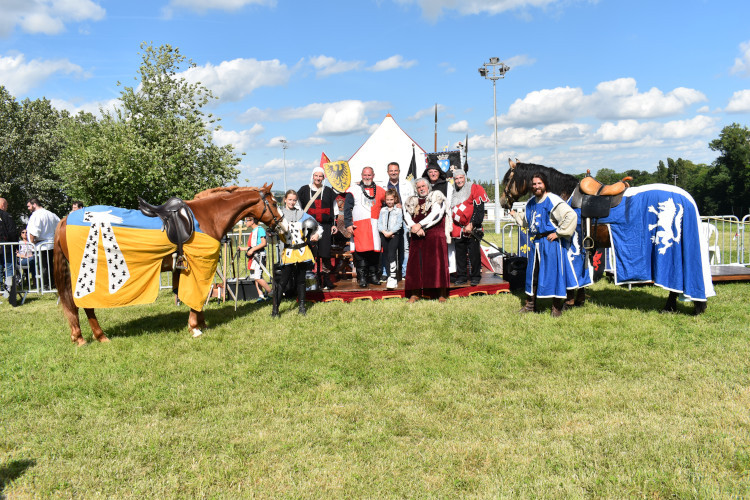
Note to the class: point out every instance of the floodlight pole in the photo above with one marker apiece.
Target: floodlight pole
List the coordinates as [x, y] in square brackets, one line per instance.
[284, 146]
[497, 71]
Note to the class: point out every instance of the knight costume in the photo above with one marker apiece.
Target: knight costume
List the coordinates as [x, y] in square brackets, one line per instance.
[324, 209]
[548, 271]
[361, 210]
[467, 207]
[296, 256]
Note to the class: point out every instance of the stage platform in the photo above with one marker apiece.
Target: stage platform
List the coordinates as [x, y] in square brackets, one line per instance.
[348, 290]
[730, 273]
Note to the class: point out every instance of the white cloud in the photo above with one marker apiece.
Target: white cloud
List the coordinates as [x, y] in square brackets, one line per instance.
[427, 112]
[19, 76]
[447, 67]
[393, 62]
[739, 103]
[93, 107]
[242, 140]
[616, 99]
[460, 126]
[202, 5]
[545, 106]
[433, 9]
[235, 79]
[327, 66]
[742, 63]
[311, 111]
[46, 16]
[520, 60]
[344, 117]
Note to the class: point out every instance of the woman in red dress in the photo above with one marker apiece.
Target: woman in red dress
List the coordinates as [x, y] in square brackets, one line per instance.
[427, 270]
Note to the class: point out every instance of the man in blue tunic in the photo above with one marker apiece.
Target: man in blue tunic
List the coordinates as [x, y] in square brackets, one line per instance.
[551, 223]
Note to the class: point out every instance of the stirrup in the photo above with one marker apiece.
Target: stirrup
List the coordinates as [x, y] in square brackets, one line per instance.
[179, 263]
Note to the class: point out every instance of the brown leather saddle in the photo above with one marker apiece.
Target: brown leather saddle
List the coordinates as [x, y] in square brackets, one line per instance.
[177, 220]
[595, 200]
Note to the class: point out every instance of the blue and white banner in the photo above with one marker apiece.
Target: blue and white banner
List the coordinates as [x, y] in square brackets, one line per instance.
[655, 234]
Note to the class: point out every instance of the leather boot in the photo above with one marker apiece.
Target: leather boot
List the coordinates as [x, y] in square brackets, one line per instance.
[301, 298]
[373, 275]
[557, 305]
[276, 291]
[362, 275]
[529, 306]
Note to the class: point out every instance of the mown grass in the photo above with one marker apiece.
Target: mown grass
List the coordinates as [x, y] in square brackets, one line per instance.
[381, 399]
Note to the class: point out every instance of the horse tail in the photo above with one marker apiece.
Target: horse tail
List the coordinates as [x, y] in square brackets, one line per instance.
[61, 268]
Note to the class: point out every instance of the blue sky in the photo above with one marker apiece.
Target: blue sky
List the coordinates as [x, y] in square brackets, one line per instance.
[593, 84]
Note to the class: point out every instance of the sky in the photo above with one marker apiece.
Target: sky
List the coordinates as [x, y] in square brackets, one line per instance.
[618, 84]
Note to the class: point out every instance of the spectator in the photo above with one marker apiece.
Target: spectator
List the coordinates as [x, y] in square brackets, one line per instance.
[361, 210]
[76, 205]
[256, 256]
[405, 190]
[41, 229]
[7, 235]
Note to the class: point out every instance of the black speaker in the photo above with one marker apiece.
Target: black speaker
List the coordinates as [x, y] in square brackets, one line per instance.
[514, 271]
[245, 291]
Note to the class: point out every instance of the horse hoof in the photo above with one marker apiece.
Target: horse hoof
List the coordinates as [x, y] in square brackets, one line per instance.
[103, 339]
[197, 332]
[79, 341]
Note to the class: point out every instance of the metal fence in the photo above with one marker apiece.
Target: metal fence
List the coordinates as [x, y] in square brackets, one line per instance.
[727, 238]
[30, 265]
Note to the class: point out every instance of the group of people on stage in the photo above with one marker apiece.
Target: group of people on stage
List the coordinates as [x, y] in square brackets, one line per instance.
[399, 231]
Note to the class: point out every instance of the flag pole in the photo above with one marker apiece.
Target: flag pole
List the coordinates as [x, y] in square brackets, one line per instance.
[435, 127]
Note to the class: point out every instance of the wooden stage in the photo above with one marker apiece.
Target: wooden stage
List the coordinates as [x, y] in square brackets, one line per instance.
[730, 272]
[347, 290]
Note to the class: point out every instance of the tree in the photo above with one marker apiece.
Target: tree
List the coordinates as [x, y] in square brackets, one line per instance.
[28, 147]
[156, 144]
[733, 166]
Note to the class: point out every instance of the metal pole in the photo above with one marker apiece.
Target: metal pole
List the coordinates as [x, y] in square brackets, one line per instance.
[283, 149]
[497, 172]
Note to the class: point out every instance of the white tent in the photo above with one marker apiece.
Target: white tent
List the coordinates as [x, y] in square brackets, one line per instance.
[387, 144]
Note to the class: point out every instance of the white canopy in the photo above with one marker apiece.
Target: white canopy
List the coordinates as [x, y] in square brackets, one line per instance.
[387, 144]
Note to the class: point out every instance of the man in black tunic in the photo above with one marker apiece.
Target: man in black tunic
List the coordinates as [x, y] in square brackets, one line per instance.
[320, 202]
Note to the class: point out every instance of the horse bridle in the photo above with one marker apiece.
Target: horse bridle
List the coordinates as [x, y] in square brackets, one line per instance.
[267, 207]
[510, 199]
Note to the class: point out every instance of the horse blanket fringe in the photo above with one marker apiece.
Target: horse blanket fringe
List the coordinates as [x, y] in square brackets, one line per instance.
[655, 233]
[116, 256]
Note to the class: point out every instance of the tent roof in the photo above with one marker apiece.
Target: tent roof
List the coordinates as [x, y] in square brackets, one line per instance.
[387, 144]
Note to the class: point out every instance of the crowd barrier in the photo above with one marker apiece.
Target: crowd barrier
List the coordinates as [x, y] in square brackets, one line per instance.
[30, 265]
[726, 236]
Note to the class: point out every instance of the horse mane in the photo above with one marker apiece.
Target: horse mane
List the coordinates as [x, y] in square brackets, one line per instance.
[224, 189]
[559, 182]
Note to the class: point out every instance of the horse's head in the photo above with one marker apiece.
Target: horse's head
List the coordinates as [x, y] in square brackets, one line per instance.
[271, 215]
[513, 188]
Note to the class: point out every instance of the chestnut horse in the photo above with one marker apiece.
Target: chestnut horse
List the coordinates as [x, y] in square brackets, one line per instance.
[517, 182]
[217, 210]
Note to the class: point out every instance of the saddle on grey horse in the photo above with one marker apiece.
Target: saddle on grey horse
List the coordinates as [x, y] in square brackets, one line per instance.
[177, 219]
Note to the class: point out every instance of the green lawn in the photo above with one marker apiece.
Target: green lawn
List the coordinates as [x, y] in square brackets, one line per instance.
[381, 399]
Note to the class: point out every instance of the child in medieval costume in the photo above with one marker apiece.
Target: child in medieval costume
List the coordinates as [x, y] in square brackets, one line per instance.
[389, 223]
[256, 257]
[296, 256]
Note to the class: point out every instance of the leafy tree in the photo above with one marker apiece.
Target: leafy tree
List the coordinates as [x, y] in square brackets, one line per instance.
[28, 147]
[156, 144]
[732, 167]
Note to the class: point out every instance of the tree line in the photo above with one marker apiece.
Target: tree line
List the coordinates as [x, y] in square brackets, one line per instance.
[722, 188]
[157, 142]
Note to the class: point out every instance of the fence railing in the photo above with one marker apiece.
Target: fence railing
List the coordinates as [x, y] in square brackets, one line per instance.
[727, 238]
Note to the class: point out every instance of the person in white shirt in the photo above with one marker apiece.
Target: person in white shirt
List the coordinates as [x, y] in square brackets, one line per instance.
[41, 229]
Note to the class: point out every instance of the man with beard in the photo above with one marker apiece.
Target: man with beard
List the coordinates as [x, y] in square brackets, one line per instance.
[467, 211]
[361, 210]
[439, 181]
[427, 270]
[41, 227]
[551, 222]
[320, 202]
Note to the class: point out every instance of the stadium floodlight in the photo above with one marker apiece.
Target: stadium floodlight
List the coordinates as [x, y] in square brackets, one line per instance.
[284, 146]
[494, 70]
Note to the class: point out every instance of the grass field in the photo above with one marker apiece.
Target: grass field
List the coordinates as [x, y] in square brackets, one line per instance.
[383, 399]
